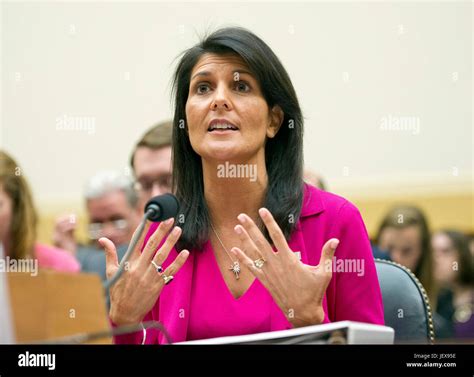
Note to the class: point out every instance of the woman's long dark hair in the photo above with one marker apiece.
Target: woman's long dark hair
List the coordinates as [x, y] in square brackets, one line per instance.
[465, 260]
[283, 153]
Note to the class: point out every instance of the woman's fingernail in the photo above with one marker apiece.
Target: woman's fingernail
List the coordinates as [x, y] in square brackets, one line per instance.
[241, 218]
[334, 244]
[238, 230]
[169, 221]
[184, 252]
[176, 230]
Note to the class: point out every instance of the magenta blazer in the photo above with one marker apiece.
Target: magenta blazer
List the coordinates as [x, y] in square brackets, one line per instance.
[353, 292]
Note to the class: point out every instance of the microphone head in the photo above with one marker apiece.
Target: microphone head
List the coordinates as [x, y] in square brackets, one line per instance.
[162, 207]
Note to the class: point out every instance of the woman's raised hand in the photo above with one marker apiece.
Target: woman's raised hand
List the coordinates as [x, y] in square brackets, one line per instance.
[140, 285]
[298, 289]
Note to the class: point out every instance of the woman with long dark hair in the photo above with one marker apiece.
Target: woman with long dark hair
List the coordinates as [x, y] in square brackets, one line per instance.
[454, 272]
[255, 248]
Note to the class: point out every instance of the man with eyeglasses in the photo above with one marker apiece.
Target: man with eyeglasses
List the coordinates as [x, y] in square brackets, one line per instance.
[111, 204]
[151, 163]
[115, 204]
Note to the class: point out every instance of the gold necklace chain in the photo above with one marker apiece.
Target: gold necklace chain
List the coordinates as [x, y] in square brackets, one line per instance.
[235, 266]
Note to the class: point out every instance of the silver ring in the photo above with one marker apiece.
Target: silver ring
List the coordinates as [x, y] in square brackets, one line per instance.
[158, 268]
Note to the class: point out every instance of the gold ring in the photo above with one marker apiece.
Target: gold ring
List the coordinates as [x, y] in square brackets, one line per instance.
[167, 278]
[259, 263]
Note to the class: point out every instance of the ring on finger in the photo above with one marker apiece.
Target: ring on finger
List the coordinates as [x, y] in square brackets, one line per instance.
[258, 263]
[158, 268]
[167, 278]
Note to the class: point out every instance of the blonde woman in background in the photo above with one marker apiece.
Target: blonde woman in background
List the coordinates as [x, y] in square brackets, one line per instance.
[18, 222]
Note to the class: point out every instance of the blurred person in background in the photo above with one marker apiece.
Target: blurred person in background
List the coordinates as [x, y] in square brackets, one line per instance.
[19, 220]
[404, 234]
[471, 244]
[151, 163]
[111, 205]
[454, 273]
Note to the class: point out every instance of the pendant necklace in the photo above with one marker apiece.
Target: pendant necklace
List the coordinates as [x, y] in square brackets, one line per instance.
[235, 266]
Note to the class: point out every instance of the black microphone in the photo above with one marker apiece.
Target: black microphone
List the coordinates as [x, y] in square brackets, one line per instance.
[161, 207]
[158, 208]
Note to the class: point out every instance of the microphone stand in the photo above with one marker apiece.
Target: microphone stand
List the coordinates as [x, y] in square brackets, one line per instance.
[120, 330]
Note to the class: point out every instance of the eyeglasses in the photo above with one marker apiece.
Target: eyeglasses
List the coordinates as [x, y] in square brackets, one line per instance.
[146, 185]
[96, 230]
